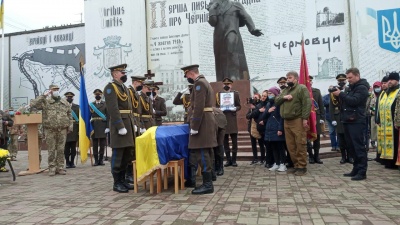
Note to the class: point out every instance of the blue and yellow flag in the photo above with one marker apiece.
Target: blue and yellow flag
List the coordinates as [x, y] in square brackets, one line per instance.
[85, 127]
[1, 14]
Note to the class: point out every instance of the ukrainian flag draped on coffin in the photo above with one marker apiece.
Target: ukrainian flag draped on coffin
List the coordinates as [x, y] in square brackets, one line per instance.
[85, 127]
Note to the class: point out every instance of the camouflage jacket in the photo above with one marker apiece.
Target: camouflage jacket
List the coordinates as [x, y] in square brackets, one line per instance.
[15, 129]
[56, 113]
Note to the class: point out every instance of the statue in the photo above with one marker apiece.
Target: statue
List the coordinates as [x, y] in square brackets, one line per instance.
[226, 17]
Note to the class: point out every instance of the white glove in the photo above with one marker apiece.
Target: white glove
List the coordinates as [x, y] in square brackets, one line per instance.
[334, 123]
[135, 128]
[142, 130]
[233, 109]
[107, 130]
[154, 111]
[122, 131]
[184, 90]
[193, 132]
[321, 121]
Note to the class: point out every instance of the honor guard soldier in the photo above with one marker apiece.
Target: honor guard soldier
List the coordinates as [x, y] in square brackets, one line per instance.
[57, 123]
[134, 91]
[231, 128]
[99, 120]
[119, 108]
[160, 109]
[183, 98]
[203, 128]
[146, 115]
[72, 137]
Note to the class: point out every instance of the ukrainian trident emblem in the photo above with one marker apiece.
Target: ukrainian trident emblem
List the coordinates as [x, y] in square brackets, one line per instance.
[388, 29]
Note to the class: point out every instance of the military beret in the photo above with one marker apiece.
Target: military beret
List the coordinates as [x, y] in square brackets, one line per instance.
[138, 78]
[97, 92]
[121, 68]
[69, 94]
[53, 86]
[281, 79]
[385, 79]
[341, 77]
[394, 76]
[188, 68]
[311, 77]
[227, 81]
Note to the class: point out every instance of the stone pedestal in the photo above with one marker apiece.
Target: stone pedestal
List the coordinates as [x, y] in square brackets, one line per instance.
[243, 87]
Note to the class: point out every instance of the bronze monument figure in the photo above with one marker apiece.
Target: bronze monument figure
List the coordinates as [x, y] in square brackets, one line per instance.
[226, 17]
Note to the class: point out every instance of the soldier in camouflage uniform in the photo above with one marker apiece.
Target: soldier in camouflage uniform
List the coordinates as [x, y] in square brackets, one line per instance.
[56, 123]
[15, 132]
[5, 121]
[72, 137]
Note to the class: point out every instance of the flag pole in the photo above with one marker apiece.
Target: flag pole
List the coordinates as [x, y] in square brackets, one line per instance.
[2, 60]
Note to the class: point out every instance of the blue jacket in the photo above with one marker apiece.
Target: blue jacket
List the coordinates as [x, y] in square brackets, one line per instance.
[326, 100]
[273, 123]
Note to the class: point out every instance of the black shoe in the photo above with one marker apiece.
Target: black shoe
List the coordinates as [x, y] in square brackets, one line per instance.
[359, 177]
[213, 175]
[101, 163]
[351, 174]
[311, 160]
[351, 160]
[234, 164]
[318, 161]
[228, 163]
[118, 187]
[128, 185]
[268, 165]
[72, 165]
[343, 161]
[207, 186]
[253, 162]
[67, 165]
[129, 179]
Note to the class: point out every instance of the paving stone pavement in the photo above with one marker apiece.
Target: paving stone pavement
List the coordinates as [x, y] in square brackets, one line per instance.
[244, 195]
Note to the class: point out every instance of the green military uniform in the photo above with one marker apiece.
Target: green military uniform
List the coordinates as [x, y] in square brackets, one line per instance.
[119, 108]
[56, 123]
[184, 99]
[72, 137]
[99, 120]
[231, 127]
[203, 128]
[160, 108]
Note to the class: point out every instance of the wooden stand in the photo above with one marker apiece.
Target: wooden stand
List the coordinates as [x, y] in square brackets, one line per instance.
[31, 121]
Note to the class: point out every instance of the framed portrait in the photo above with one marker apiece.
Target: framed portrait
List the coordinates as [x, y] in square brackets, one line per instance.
[227, 101]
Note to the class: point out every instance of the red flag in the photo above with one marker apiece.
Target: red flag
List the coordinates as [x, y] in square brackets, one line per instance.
[305, 79]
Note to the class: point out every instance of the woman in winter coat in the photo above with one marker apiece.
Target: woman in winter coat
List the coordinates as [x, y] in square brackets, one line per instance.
[255, 111]
[274, 137]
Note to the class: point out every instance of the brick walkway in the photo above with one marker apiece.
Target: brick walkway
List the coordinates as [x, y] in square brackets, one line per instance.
[244, 195]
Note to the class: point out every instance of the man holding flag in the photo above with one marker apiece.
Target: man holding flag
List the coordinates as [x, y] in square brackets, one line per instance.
[119, 107]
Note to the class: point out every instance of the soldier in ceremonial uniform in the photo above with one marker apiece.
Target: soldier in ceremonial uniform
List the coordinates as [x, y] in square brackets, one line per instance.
[183, 98]
[231, 128]
[320, 119]
[160, 109]
[119, 108]
[135, 90]
[219, 150]
[57, 123]
[146, 106]
[15, 132]
[5, 121]
[203, 127]
[73, 137]
[334, 111]
[99, 122]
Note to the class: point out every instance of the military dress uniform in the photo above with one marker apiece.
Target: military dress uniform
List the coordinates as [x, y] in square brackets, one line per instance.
[99, 120]
[219, 150]
[184, 99]
[231, 128]
[146, 108]
[119, 109]
[136, 103]
[57, 123]
[15, 132]
[5, 121]
[203, 129]
[160, 108]
[320, 115]
[72, 137]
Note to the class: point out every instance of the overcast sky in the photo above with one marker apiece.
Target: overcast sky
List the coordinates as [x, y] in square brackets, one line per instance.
[21, 15]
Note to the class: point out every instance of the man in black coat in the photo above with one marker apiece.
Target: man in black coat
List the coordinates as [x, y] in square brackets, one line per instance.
[99, 122]
[73, 137]
[353, 103]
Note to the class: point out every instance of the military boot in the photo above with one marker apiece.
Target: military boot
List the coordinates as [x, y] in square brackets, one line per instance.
[228, 159]
[316, 157]
[129, 174]
[220, 169]
[343, 153]
[101, 162]
[207, 186]
[118, 186]
[234, 164]
[191, 182]
[67, 162]
[72, 163]
[124, 182]
[96, 159]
